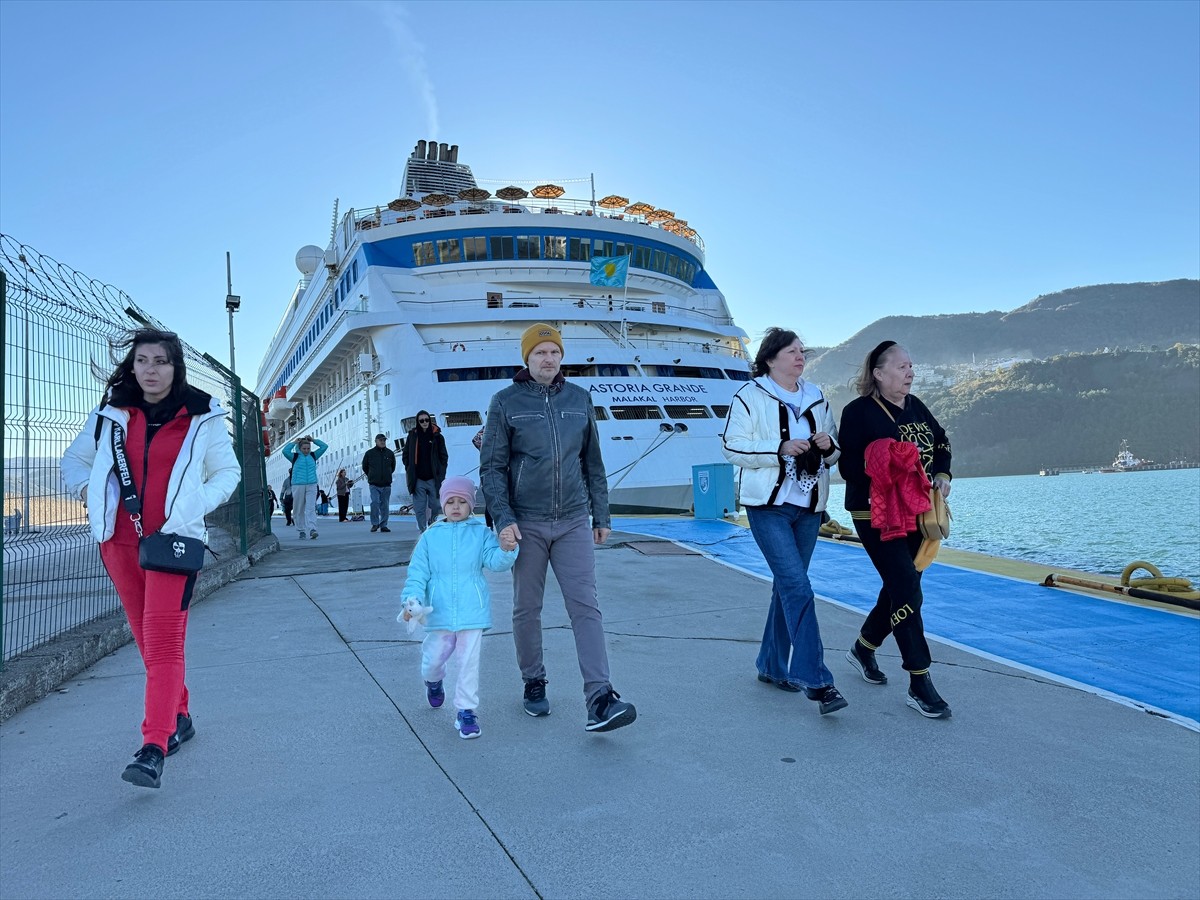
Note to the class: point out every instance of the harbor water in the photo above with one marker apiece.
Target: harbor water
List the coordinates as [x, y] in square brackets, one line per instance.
[1094, 523]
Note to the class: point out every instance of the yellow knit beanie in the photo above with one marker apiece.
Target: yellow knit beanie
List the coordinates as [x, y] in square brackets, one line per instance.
[536, 334]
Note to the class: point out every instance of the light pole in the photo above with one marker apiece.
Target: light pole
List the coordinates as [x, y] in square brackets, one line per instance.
[232, 303]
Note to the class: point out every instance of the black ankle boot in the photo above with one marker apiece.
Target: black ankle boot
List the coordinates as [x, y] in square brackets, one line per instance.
[184, 731]
[924, 698]
[146, 768]
[864, 660]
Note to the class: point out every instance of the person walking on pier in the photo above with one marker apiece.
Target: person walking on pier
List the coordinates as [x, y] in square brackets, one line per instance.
[445, 572]
[378, 464]
[780, 431]
[178, 463]
[885, 408]
[287, 499]
[343, 494]
[425, 460]
[542, 475]
[304, 458]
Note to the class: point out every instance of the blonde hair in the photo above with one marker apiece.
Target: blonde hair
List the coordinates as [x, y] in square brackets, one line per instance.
[865, 384]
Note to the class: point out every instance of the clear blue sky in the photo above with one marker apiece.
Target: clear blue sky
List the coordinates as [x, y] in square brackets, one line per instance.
[843, 161]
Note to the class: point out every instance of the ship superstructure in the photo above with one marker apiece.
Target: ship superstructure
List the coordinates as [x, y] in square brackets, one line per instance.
[420, 303]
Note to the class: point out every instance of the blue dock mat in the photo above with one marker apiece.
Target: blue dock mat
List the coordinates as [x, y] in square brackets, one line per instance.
[1146, 655]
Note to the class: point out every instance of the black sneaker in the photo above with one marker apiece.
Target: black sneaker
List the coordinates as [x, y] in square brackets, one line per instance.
[385, 529]
[782, 685]
[864, 660]
[184, 731]
[374, 528]
[924, 698]
[608, 712]
[828, 698]
[146, 768]
[535, 700]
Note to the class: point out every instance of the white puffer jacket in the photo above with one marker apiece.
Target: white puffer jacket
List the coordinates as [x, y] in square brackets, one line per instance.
[205, 473]
[756, 427]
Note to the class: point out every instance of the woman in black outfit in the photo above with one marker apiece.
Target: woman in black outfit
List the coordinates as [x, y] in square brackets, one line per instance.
[886, 409]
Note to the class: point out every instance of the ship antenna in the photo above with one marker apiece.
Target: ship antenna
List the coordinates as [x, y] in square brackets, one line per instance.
[333, 224]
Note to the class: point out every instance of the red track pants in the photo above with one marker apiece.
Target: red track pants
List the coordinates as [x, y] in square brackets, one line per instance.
[156, 604]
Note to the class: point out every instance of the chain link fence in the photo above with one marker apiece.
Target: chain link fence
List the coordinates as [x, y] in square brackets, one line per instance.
[57, 321]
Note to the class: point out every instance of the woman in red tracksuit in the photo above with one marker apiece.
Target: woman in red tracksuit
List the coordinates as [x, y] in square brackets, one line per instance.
[886, 409]
[183, 466]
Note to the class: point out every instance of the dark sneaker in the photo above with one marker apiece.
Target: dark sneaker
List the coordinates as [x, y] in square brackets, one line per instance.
[313, 534]
[782, 685]
[535, 700]
[435, 693]
[466, 724]
[864, 660]
[385, 529]
[146, 768]
[303, 535]
[924, 698]
[828, 698]
[374, 528]
[608, 712]
[184, 731]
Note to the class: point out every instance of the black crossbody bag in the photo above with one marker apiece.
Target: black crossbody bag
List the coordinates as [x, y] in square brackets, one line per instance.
[174, 554]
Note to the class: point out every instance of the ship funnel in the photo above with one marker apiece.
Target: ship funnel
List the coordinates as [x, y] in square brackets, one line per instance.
[432, 154]
[444, 152]
[419, 153]
[454, 153]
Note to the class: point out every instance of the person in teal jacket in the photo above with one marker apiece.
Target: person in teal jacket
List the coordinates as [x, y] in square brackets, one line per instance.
[446, 573]
[303, 457]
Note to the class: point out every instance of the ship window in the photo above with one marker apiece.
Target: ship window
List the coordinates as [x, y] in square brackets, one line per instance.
[354, 271]
[688, 412]
[448, 251]
[556, 247]
[475, 248]
[602, 247]
[502, 248]
[579, 249]
[463, 418]
[624, 249]
[641, 257]
[387, 389]
[660, 261]
[582, 371]
[478, 373]
[685, 371]
[636, 412]
[737, 375]
[423, 253]
[721, 409]
[529, 246]
[612, 369]
[672, 265]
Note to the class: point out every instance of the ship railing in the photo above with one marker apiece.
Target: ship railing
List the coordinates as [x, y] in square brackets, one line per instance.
[350, 385]
[366, 219]
[618, 307]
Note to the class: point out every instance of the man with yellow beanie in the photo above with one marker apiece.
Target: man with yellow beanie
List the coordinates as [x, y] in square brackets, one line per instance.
[544, 482]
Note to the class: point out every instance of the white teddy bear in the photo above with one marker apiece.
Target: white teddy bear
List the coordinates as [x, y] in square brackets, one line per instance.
[413, 613]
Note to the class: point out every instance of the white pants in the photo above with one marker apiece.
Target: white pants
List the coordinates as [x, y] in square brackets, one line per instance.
[304, 510]
[438, 647]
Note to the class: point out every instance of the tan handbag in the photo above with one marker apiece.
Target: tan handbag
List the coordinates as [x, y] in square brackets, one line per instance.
[935, 524]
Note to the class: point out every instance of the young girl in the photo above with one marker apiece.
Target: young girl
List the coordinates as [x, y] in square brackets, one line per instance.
[446, 573]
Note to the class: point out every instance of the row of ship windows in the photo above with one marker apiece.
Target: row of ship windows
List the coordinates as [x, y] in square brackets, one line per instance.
[341, 290]
[625, 413]
[536, 246]
[593, 370]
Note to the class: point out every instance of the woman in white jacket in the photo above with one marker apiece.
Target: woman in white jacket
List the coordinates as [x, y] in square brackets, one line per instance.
[182, 464]
[780, 431]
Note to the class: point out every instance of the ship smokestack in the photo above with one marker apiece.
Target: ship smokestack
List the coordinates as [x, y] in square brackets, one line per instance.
[432, 154]
[454, 153]
[444, 152]
[419, 153]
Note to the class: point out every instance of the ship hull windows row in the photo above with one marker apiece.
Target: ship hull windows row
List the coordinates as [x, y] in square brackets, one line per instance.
[624, 413]
[591, 370]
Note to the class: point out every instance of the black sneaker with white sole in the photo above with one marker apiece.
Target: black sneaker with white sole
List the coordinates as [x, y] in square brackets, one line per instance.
[924, 698]
[535, 701]
[609, 712]
[864, 660]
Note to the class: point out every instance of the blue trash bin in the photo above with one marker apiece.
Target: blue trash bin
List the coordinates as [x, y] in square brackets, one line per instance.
[712, 491]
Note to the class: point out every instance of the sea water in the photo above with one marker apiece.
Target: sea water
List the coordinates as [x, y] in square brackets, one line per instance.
[1094, 523]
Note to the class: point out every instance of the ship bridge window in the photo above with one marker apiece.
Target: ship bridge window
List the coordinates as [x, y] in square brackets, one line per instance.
[478, 373]
[721, 409]
[448, 251]
[611, 370]
[602, 247]
[579, 249]
[601, 413]
[737, 375]
[503, 248]
[529, 246]
[423, 253]
[474, 248]
[685, 371]
[687, 412]
[636, 412]
[556, 247]
[583, 371]
[463, 418]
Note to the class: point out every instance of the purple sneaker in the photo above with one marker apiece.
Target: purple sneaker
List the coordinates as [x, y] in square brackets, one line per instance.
[467, 724]
[435, 693]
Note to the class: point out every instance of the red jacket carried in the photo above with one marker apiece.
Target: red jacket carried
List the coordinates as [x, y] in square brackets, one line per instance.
[899, 487]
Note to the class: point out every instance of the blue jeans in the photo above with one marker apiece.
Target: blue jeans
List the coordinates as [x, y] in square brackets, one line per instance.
[791, 645]
[381, 496]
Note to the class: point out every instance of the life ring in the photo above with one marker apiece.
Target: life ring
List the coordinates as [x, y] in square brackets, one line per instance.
[455, 347]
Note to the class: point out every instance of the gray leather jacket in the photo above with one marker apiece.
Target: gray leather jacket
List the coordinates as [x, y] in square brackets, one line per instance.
[540, 458]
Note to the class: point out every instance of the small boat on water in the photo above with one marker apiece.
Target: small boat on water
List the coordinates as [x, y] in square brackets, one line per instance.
[1125, 461]
[1046, 472]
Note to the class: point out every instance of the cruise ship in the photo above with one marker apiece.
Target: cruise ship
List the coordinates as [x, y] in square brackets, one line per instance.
[420, 303]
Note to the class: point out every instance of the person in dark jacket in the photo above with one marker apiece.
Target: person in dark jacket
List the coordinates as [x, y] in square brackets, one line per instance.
[425, 460]
[543, 478]
[378, 464]
[885, 408]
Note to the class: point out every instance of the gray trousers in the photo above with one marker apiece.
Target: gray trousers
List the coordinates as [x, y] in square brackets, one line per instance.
[567, 546]
[425, 503]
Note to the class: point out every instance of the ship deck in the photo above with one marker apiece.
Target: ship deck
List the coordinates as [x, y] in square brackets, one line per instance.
[318, 770]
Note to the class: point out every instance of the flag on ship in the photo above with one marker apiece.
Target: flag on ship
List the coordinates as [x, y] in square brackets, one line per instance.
[609, 271]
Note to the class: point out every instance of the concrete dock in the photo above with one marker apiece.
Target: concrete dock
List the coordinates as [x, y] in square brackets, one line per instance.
[319, 770]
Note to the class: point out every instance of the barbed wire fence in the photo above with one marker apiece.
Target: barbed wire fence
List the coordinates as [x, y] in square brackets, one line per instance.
[57, 321]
